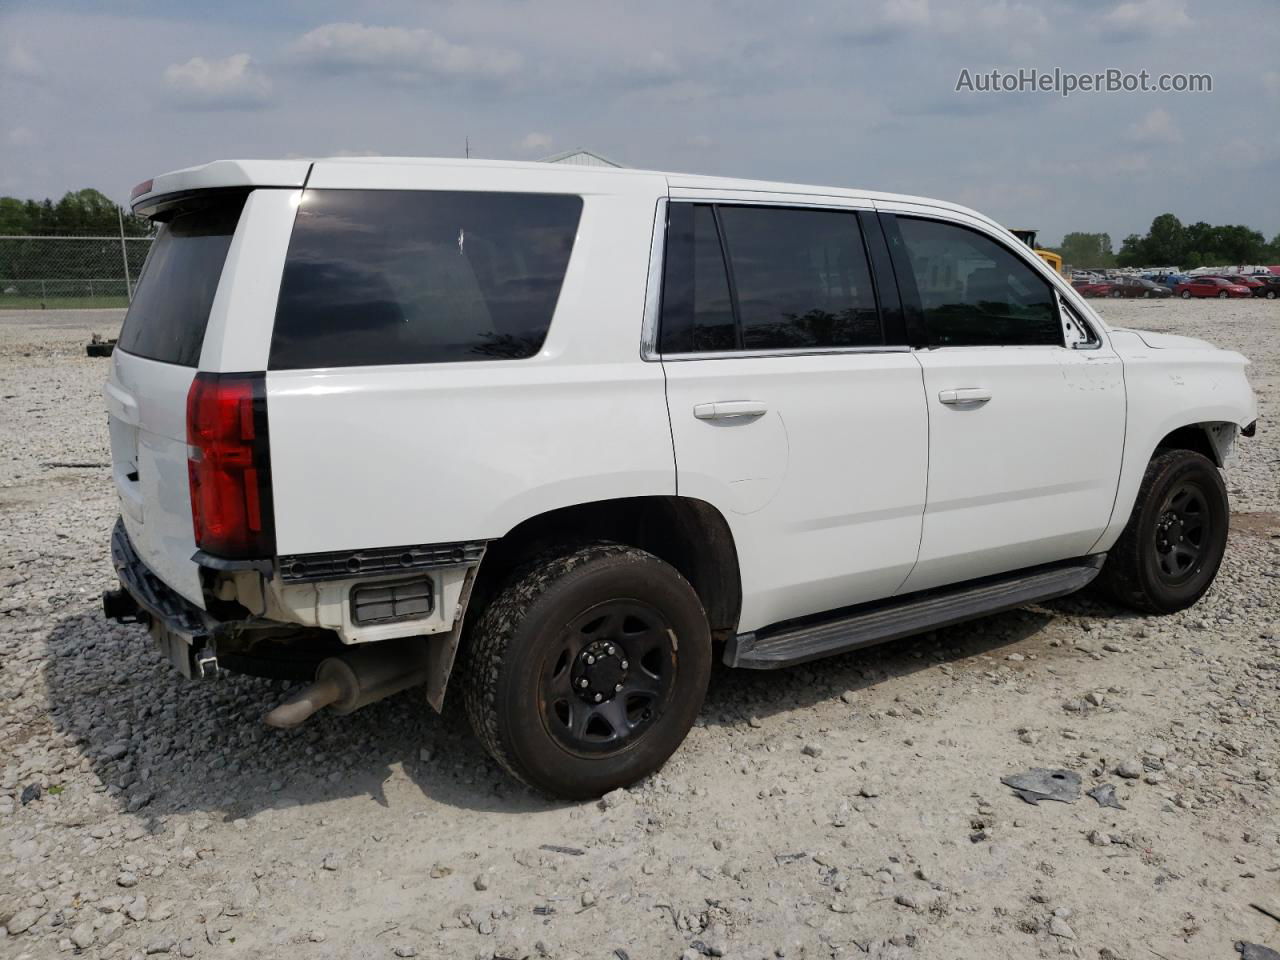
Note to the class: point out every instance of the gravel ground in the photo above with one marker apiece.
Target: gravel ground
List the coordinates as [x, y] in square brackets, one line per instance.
[850, 808]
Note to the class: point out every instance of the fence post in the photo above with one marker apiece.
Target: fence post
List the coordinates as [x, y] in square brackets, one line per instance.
[124, 256]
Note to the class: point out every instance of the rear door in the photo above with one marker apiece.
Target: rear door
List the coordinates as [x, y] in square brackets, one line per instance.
[152, 368]
[796, 407]
[1025, 432]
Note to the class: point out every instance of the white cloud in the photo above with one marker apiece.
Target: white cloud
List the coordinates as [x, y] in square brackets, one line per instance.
[18, 62]
[229, 83]
[1136, 19]
[1239, 154]
[1157, 127]
[905, 13]
[535, 143]
[890, 18]
[401, 51]
[21, 137]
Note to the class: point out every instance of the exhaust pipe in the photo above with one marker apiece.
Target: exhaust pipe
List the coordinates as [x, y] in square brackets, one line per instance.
[356, 679]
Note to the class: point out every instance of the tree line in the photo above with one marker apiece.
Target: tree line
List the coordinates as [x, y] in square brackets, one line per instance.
[79, 212]
[1171, 243]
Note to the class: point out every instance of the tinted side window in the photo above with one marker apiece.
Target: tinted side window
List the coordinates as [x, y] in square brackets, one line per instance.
[801, 278]
[170, 308]
[392, 276]
[697, 312]
[974, 291]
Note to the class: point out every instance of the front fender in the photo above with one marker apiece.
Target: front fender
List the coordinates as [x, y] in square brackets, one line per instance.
[1168, 388]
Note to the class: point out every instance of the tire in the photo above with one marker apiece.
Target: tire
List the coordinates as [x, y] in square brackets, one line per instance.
[1271, 294]
[1171, 549]
[605, 616]
[1223, 295]
[1186, 294]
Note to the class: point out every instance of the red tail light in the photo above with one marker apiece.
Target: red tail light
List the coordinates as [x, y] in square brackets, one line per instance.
[229, 465]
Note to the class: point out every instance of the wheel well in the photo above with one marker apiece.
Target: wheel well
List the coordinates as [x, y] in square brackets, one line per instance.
[691, 535]
[1198, 437]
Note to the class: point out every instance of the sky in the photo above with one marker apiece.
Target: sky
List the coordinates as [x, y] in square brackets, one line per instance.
[849, 94]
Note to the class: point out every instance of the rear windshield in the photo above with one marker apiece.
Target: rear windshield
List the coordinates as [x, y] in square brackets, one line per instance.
[170, 307]
[402, 276]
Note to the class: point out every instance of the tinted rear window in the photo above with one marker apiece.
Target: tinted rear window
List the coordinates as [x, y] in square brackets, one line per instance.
[392, 276]
[170, 307]
[800, 280]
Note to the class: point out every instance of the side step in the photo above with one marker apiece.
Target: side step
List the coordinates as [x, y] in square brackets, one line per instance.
[850, 629]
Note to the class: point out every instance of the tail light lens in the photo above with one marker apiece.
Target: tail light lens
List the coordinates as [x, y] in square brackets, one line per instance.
[228, 463]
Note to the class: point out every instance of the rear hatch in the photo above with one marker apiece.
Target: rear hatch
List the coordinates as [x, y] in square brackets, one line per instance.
[152, 369]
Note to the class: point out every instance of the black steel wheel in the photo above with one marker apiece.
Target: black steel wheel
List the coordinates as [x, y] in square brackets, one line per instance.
[608, 677]
[1183, 533]
[586, 671]
[1173, 544]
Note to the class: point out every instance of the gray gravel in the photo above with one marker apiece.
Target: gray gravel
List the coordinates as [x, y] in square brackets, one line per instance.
[851, 808]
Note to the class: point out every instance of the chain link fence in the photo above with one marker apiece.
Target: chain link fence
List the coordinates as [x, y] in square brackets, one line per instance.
[48, 272]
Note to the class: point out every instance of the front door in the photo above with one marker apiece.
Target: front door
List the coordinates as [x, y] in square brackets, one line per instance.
[1026, 432]
[792, 410]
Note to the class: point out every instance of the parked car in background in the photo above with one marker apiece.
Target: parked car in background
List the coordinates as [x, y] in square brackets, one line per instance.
[1256, 285]
[1169, 280]
[1270, 287]
[1211, 287]
[1132, 287]
[1092, 288]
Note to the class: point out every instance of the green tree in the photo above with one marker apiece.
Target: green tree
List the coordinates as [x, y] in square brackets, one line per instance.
[1133, 252]
[87, 212]
[1166, 241]
[1087, 250]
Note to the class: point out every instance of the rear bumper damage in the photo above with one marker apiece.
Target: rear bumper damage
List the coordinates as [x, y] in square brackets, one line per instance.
[311, 619]
[182, 631]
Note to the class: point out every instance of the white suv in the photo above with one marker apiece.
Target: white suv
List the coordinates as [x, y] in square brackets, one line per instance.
[586, 429]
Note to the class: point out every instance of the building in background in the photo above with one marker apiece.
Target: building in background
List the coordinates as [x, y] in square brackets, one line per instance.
[581, 158]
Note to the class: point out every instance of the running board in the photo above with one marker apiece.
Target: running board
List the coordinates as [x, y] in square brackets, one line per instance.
[786, 645]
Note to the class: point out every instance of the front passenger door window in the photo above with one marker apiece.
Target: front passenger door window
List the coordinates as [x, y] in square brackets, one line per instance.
[975, 292]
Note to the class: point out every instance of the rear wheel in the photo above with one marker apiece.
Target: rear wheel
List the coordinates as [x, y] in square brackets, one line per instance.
[1223, 295]
[1186, 294]
[586, 672]
[1171, 549]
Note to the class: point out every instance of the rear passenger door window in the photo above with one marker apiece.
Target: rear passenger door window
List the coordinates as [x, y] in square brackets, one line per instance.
[393, 277]
[760, 278]
[976, 292]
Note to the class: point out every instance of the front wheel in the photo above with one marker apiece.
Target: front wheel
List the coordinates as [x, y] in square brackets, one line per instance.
[1223, 295]
[586, 672]
[1171, 549]
[1186, 294]
[1270, 294]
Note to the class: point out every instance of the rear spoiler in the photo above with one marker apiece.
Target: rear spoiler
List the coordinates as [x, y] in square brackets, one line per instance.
[150, 195]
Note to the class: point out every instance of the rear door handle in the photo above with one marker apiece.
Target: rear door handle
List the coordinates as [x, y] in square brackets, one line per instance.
[729, 410]
[965, 395]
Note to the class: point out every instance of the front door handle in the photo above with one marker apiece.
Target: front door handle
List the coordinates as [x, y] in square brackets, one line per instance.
[965, 395]
[729, 410]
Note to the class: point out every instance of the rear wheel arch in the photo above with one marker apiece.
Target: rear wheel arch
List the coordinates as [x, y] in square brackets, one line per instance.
[691, 535]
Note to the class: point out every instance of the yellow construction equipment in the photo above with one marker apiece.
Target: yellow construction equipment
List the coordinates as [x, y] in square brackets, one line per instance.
[1048, 256]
